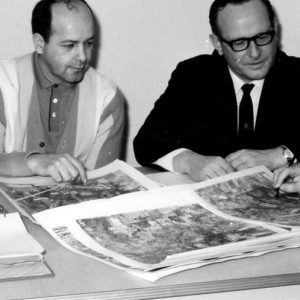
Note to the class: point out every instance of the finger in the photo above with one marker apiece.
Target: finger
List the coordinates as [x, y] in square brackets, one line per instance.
[81, 172]
[53, 172]
[204, 174]
[293, 187]
[275, 177]
[227, 168]
[281, 177]
[64, 167]
[218, 167]
[218, 170]
[197, 177]
[246, 161]
[233, 156]
[66, 170]
[239, 164]
[276, 174]
[294, 170]
[74, 169]
[244, 165]
[211, 174]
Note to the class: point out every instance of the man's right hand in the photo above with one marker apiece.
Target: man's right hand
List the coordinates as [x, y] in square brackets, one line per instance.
[201, 167]
[61, 167]
[287, 179]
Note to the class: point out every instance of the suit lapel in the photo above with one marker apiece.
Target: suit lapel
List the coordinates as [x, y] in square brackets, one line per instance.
[226, 100]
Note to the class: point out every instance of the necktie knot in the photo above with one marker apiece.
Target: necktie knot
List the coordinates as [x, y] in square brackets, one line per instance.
[247, 88]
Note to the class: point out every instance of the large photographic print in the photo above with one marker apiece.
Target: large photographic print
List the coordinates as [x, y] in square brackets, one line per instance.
[34, 199]
[253, 197]
[150, 236]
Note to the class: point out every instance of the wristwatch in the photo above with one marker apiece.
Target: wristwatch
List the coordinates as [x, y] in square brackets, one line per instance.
[288, 154]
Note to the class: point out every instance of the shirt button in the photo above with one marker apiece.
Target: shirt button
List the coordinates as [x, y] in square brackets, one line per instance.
[54, 100]
[42, 144]
[53, 114]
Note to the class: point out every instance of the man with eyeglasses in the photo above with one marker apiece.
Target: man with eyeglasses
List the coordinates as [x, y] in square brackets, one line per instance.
[231, 110]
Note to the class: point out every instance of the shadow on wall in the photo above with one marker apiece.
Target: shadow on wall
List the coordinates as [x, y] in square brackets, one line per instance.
[126, 130]
[97, 44]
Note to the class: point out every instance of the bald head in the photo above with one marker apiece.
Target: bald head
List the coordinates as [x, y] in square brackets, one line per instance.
[42, 14]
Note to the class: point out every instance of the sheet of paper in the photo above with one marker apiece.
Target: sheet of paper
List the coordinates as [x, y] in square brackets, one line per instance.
[170, 178]
[112, 180]
[15, 240]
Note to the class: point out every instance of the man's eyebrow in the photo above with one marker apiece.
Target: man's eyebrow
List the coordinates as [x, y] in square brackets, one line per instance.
[91, 38]
[260, 33]
[68, 41]
[75, 41]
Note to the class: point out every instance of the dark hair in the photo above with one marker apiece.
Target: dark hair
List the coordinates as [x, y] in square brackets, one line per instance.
[218, 5]
[42, 17]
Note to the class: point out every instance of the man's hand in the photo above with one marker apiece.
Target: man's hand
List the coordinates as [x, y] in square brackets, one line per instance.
[200, 167]
[287, 179]
[61, 167]
[243, 159]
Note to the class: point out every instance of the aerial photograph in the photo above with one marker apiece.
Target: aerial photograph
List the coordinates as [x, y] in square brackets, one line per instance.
[149, 236]
[254, 197]
[35, 199]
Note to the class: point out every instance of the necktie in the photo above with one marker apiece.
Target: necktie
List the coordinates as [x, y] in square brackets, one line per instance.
[246, 126]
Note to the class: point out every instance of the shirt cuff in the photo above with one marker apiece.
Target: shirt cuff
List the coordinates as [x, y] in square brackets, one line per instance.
[166, 161]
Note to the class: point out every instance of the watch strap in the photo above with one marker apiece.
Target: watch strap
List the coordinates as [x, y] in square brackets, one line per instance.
[288, 154]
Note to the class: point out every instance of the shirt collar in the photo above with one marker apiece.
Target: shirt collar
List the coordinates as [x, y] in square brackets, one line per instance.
[42, 80]
[238, 83]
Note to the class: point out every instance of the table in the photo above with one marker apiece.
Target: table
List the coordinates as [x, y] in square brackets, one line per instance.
[275, 275]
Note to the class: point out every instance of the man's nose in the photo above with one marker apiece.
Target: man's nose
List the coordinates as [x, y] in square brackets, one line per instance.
[81, 53]
[254, 50]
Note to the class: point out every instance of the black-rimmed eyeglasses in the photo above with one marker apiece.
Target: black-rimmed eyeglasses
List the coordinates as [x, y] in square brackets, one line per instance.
[261, 39]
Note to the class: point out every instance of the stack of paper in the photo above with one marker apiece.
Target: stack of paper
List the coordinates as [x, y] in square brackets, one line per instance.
[21, 256]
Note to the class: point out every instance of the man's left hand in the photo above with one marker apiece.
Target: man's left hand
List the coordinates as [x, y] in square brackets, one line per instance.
[243, 159]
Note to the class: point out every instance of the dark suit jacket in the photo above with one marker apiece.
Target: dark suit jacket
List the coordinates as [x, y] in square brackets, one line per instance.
[198, 111]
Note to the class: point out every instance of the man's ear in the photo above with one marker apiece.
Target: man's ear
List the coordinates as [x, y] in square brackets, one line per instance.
[216, 43]
[276, 28]
[276, 24]
[39, 43]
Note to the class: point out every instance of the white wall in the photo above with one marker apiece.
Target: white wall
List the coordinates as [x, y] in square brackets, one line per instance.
[141, 42]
